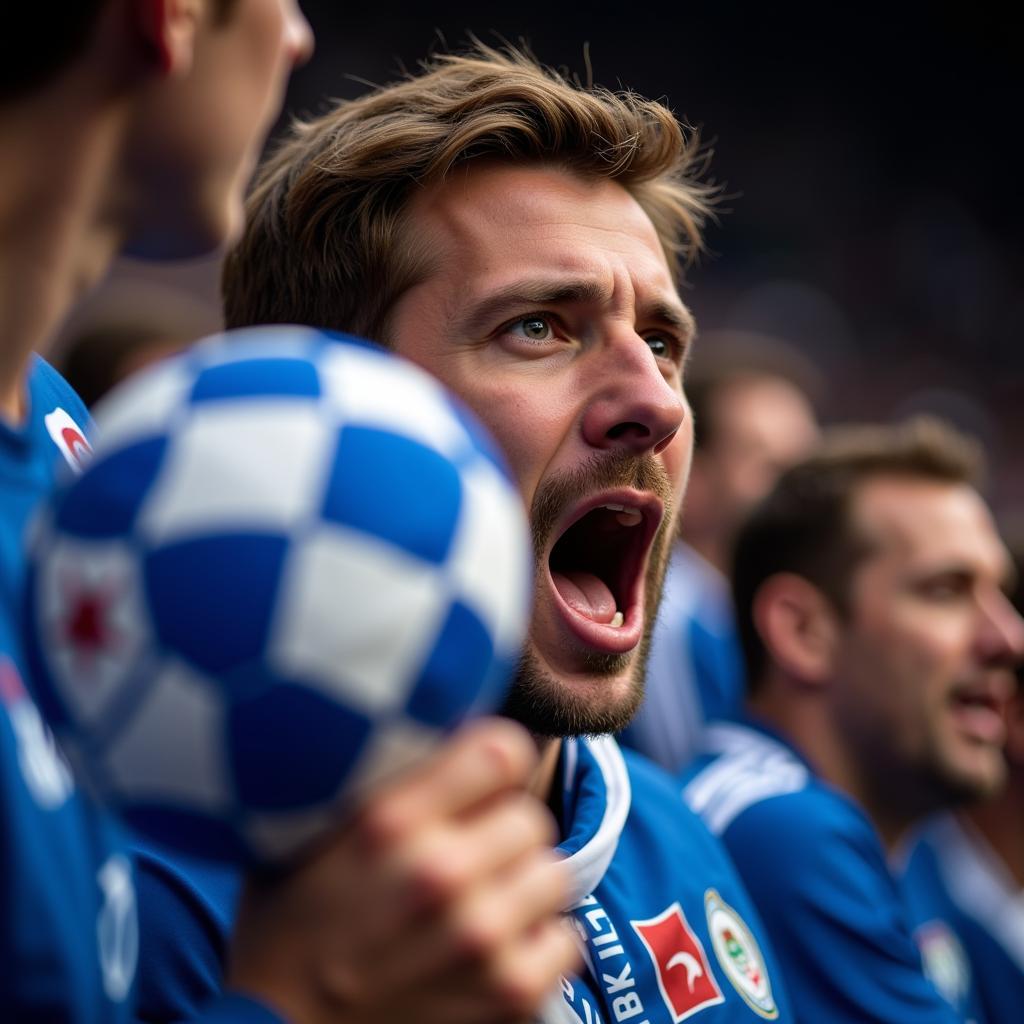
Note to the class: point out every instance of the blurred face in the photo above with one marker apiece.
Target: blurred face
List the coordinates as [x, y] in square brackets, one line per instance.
[551, 310]
[925, 659]
[202, 130]
[762, 426]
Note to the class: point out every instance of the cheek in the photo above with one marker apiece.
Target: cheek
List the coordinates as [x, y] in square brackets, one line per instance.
[676, 459]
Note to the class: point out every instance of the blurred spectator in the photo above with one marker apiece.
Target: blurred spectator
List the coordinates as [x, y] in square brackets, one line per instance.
[968, 867]
[877, 640]
[128, 328]
[752, 418]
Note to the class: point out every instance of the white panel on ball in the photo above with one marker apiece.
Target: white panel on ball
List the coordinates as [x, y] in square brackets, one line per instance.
[365, 648]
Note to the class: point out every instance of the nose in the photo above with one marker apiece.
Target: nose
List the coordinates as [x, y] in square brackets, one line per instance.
[634, 407]
[299, 39]
[1003, 631]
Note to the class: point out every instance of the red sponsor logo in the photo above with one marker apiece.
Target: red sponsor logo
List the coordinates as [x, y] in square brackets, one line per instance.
[76, 443]
[684, 973]
[67, 435]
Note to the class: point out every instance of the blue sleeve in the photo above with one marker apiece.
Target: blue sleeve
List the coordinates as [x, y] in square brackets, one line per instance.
[237, 1009]
[50, 389]
[186, 909]
[816, 872]
[717, 665]
[68, 928]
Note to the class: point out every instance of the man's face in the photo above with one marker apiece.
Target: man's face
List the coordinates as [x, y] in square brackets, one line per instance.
[925, 658]
[762, 426]
[551, 310]
[202, 128]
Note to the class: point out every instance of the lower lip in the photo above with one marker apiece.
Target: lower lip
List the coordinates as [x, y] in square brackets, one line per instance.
[981, 723]
[598, 636]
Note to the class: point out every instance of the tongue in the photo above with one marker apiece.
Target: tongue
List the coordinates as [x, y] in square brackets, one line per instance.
[586, 593]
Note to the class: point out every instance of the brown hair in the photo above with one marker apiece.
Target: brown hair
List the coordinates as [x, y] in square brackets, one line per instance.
[805, 526]
[326, 216]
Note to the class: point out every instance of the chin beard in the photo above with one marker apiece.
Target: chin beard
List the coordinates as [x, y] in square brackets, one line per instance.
[546, 707]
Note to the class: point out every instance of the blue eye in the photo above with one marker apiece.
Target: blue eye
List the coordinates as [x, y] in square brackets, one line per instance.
[660, 346]
[536, 328]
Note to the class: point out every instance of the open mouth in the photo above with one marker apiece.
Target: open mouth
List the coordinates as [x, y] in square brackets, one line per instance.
[598, 564]
[979, 712]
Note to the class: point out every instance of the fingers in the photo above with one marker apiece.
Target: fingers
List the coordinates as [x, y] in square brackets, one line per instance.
[439, 901]
[483, 759]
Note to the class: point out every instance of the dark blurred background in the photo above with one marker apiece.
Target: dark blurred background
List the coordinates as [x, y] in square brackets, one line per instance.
[872, 164]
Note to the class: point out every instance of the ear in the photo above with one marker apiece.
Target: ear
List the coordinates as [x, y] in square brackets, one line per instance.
[168, 29]
[798, 627]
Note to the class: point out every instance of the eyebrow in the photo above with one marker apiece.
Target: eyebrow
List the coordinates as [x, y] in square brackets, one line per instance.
[543, 293]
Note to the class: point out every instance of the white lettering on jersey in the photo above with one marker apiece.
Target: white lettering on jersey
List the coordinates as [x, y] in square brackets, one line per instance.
[43, 767]
[117, 928]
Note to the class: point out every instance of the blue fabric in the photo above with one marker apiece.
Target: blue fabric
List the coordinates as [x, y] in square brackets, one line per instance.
[816, 870]
[67, 904]
[29, 460]
[662, 856]
[237, 1009]
[186, 907]
[951, 879]
[665, 876]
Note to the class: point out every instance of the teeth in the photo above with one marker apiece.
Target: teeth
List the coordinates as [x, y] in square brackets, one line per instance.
[617, 620]
[627, 516]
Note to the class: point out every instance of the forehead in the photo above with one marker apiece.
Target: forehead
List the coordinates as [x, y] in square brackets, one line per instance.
[495, 221]
[929, 524]
[769, 408]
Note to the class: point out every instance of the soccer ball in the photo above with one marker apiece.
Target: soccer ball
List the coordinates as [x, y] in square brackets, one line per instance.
[292, 565]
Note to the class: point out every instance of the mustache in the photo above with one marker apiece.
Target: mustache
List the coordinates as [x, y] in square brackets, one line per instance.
[599, 472]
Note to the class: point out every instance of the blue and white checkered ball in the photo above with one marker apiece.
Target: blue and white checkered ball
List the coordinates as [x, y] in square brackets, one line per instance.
[292, 565]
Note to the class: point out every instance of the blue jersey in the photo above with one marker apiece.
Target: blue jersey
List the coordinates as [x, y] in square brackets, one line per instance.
[967, 891]
[695, 670]
[816, 870]
[68, 933]
[665, 925]
[666, 928]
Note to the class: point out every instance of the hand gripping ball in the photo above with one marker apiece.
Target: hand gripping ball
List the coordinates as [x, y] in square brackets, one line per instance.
[293, 564]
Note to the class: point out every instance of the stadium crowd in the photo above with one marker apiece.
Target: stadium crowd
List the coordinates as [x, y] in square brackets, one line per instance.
[315, 646]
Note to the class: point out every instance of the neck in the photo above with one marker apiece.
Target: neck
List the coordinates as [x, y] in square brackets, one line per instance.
[802, 718]
[58, 233]
[543, 780]
[1001, 823]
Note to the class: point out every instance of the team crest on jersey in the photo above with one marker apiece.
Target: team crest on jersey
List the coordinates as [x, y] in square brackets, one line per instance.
[945, 963]
[69, 438]
[684, 975]
[739, 955]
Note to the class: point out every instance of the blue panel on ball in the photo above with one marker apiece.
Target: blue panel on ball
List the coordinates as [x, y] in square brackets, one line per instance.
[248, 378]
[212, 598]
[187, 831]
[105, 501]
[456, 671]
[292, 747]
[396, 489]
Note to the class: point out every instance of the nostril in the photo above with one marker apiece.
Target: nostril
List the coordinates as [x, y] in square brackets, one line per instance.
[627, 429]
